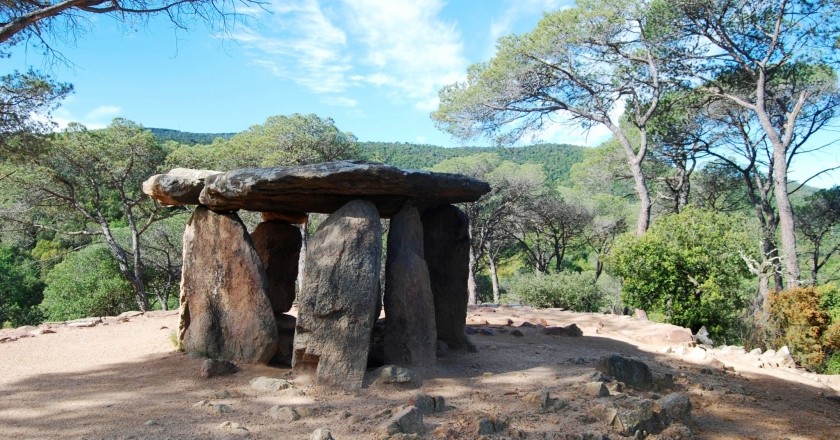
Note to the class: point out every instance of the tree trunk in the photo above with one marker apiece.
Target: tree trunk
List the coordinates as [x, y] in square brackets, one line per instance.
[640, 182]
[130, 274]
[471, 270]
[786, 222]
[494, 278]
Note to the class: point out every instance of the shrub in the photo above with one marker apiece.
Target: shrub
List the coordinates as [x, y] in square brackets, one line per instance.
[805, 327]
[568, 290]
[86, 283]
[21, 289]
[688, 267]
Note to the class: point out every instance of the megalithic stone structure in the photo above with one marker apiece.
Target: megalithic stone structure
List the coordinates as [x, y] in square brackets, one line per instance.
[234, 289]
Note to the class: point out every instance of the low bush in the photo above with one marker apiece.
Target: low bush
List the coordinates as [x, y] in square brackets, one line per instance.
[567, 290]
[805, 327]
[86, 283]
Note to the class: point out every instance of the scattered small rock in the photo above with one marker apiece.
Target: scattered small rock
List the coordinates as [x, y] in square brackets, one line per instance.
[234, 428]
[321, 434]
[595, 389]
[224, 394]
[217, 367]
[152, 422]
[428, 404]
[630, 371]
[269, 384]
[219, 408]
[545, 401]
[569, 330]
[130, 314]
[84, 322]
[676, 407]
[283, 413]
[702, 336]
[409, 420]
[390, 374]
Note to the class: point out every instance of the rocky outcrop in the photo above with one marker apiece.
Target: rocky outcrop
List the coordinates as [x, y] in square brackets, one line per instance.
[278, 245]
[410, 335]
[446, 244]
[181, 186]
[225, 312]
[325, 187]
[338, 296]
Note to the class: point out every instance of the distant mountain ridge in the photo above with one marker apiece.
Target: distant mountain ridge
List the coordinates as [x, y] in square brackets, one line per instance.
[556, 159]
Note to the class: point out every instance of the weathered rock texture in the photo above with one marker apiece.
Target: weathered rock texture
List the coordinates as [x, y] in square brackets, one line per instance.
[410, 334]
[181, 186]
[278, 245]
[327, 186]
[225, 312]
[447, 251]
[338, 295]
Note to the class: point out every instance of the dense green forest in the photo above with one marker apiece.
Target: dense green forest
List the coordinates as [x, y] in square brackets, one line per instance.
[187, 138]
[686, 212]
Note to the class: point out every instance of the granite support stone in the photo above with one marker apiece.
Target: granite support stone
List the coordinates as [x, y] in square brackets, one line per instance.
[446, 248]
[225, 312]
[410, 334]
[278, 244]
[340, 285]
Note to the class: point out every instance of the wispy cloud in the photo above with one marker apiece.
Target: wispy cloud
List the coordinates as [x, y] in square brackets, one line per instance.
[409, 49]
[97, 118]
[399, 46]
[300, 43]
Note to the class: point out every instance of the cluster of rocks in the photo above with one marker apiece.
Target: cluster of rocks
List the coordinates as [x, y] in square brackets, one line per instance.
[237, 287]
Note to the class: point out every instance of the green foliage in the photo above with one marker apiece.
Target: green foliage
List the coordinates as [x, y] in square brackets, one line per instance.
[805, 326]
[86, 283]
[568, 290]
[556, 159]
[187, 138]
[21, 289]
[687, 266]
[281, 140]
[830, 300]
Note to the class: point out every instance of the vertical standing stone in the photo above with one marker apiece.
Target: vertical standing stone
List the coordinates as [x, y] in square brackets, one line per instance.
[340, 284]
[225, 312]
[447, 251]
[278, 245]
[410, 335]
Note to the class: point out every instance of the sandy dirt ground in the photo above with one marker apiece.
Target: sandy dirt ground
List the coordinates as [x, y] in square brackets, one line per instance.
[122, 379]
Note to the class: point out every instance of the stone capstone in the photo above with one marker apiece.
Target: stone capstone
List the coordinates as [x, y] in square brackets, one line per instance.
[225, 312]
[340, 286]
[278, 245]
[446, 244]
[325, 187]
[410, 334]
[180, 186]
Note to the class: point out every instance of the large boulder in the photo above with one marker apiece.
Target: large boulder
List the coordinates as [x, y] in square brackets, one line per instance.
[340, 286]
[180, 186]
[446, 243]
[278, 245]
[225, 312]
[325, 187]
[410, 334]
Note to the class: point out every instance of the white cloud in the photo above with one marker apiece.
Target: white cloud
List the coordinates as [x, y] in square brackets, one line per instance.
[408, 47]
[340, 101]
[299, 42]
[102, 112]
[99, 117]
[399, 46]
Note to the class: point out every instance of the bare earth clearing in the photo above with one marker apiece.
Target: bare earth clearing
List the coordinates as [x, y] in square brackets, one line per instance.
[121, 379]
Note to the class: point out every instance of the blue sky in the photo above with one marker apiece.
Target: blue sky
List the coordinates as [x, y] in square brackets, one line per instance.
[373, 66]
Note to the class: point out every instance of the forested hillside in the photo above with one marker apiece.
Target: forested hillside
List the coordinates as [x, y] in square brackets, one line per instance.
[185, 137]
[556, 159]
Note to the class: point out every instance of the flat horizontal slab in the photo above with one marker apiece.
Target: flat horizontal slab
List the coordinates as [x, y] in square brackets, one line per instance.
[328, 186]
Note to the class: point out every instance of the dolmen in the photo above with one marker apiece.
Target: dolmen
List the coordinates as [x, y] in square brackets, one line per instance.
[237, 287]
